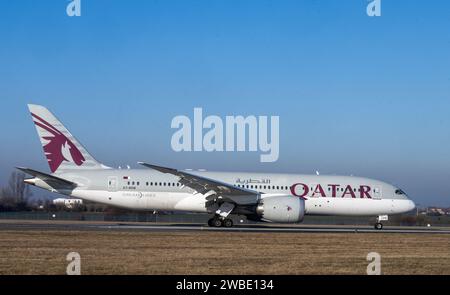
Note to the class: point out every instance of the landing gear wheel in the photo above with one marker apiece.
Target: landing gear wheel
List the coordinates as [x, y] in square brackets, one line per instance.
[228, 223]
[217, 222]
[210, 222]
[378, 226]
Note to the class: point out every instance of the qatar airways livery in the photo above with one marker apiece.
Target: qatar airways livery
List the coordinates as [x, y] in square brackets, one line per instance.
[283, 198]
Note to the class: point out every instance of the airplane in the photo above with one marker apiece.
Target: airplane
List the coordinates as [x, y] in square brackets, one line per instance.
[266, 197]
[68, 203]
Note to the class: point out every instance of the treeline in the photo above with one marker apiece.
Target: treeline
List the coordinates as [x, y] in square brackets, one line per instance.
[16, 195]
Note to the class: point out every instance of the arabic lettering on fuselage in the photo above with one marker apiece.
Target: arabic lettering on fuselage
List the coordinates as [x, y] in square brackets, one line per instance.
[253, 181]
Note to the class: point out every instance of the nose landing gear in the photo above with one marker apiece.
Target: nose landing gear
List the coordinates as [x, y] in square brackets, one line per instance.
[379, 225]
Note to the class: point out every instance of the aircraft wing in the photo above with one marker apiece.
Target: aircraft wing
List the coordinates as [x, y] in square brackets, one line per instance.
[49, 179]
[203, 184]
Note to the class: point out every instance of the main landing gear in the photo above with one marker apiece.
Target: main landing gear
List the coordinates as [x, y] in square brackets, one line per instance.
[218, 222]
[221, 216]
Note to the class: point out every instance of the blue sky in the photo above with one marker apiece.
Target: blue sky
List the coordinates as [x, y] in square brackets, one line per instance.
[355, 95]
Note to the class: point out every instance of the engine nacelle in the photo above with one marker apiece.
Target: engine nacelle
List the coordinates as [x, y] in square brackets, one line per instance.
[283, 209]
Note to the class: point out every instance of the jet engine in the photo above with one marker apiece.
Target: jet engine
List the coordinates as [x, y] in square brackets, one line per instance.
[283, 209]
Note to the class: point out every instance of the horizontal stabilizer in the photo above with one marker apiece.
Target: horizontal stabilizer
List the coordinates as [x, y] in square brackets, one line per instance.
[50, 179]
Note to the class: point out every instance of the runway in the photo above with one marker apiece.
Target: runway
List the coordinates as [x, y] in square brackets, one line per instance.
[177, 227]
[279, 229]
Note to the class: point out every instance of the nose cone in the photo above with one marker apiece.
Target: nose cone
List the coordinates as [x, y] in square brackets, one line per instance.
[403, 206]
[411, 205]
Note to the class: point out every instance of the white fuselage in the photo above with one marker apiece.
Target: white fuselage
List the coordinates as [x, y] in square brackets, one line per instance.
[152, 190]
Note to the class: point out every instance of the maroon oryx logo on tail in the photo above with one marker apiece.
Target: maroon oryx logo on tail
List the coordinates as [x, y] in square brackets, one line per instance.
[59, 148]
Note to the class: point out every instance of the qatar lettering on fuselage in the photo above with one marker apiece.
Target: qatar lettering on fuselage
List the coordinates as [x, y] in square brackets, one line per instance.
[302, 190]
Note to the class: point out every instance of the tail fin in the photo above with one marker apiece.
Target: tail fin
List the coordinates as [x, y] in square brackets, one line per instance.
[61, 148]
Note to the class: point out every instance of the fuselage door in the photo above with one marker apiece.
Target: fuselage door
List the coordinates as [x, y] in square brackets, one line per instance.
[377, 192]
[112, 183]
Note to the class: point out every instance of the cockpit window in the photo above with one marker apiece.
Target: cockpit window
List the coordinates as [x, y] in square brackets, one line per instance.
[399, 192]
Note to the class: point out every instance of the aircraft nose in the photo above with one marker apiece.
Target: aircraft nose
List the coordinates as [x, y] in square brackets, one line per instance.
[411, 205]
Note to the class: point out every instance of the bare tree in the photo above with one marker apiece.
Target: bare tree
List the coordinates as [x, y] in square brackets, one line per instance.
[16, 195]
[18, 188]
